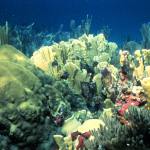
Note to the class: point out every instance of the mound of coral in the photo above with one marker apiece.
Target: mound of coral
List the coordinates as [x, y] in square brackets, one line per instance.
[22, 122]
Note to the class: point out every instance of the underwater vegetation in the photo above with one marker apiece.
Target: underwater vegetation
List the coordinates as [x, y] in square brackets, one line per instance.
[145, 30]
[28, 38]
[115, 136]
[4, 34]
[73, 94]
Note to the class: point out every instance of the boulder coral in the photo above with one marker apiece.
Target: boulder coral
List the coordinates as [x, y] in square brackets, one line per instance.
[21, 111]
[16, 79]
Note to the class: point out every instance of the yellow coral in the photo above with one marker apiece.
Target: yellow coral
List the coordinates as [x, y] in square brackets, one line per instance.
[107, 113]
[70, 125]
[145, 52]
[97, 80]
[139, 71]
[64, 142]
[137, 90]
[146, 86]
[102, 65]
[76, 76]
[43, 58]
[147, 71]
[146, 55]
[137, 54]
[16, 80]
[10, 53]
[123, 56]
[91, 124]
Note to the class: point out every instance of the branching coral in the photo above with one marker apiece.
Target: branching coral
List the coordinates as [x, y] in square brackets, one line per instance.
[106, 136]
[115, 136]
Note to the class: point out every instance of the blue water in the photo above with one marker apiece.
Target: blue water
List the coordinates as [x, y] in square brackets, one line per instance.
[124, 17]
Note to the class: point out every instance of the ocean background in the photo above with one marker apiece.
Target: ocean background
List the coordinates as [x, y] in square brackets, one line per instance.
[123, 17]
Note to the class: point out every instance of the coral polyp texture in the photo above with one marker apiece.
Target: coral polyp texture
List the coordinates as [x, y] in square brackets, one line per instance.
[72, 95]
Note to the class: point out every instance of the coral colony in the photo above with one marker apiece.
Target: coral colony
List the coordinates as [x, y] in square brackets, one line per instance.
[83, 93]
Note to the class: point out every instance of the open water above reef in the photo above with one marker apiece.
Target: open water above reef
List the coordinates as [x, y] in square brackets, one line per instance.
[124, 17]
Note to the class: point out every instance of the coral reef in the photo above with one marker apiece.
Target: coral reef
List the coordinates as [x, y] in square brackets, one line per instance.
[91, 74]
[78, 134]
[127, 129]
[31, 102]
[74, 94]
[79, 62]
